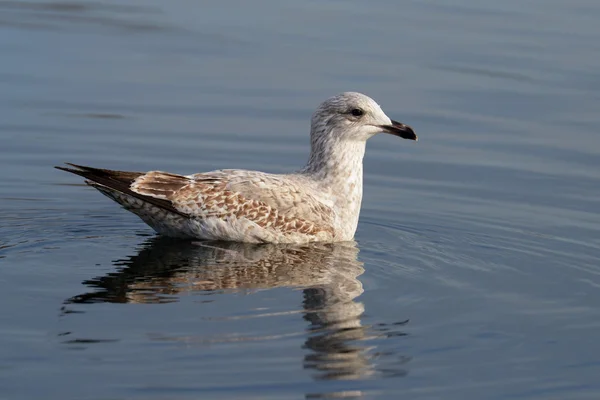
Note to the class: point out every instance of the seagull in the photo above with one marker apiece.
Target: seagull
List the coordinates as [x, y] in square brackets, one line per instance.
[319, 203]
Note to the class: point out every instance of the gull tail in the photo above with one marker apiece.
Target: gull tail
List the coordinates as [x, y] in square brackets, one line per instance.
[117, 186]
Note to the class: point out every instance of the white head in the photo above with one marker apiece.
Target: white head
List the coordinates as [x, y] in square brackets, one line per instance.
[339, 132]
[352, 116]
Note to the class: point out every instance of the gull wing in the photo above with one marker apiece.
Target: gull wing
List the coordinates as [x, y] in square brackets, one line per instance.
[291, 195]
[267, 200]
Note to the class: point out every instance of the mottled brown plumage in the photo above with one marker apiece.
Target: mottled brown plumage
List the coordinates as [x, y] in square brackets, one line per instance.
[119, 181]
[201, 197]
[220, 195]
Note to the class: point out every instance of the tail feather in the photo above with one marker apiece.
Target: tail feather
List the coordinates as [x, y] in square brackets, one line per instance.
[118, 181]
[84, 171]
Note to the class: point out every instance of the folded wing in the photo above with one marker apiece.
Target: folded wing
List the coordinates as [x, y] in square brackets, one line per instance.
[270, 201]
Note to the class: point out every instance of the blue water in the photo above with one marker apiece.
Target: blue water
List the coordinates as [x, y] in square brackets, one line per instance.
[476, 268]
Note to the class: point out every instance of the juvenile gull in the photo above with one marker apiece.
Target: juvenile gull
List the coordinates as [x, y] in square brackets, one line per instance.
[321, 202]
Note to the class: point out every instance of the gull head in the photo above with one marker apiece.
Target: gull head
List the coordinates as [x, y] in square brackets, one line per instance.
[352, 116]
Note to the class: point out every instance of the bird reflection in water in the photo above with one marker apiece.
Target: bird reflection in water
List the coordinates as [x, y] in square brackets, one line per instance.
[327, 274]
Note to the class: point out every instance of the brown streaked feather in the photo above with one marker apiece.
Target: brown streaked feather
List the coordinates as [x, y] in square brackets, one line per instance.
[119, 181]
[206, 195]
[287, 197]
[161, 185]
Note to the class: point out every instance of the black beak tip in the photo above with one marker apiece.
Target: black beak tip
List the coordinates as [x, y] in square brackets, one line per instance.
[402, 130]
[410, 134]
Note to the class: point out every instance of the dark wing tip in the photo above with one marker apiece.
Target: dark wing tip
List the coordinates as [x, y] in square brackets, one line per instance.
[119, 181]
[78, 171]
[78, 167]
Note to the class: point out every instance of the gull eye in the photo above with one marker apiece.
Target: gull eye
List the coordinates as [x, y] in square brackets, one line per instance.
[357, 112]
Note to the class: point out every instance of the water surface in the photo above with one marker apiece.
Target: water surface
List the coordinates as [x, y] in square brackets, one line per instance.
[475, 272]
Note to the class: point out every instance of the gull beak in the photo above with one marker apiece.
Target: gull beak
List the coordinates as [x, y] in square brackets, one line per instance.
[399, 129]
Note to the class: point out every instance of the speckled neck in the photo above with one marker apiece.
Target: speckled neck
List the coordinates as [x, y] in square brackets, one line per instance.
[337, 166]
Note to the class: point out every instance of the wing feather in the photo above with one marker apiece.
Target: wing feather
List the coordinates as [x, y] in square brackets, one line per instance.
[267, 200]
[119, 181]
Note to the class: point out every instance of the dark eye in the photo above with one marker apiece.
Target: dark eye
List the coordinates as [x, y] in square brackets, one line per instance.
[357, 112]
